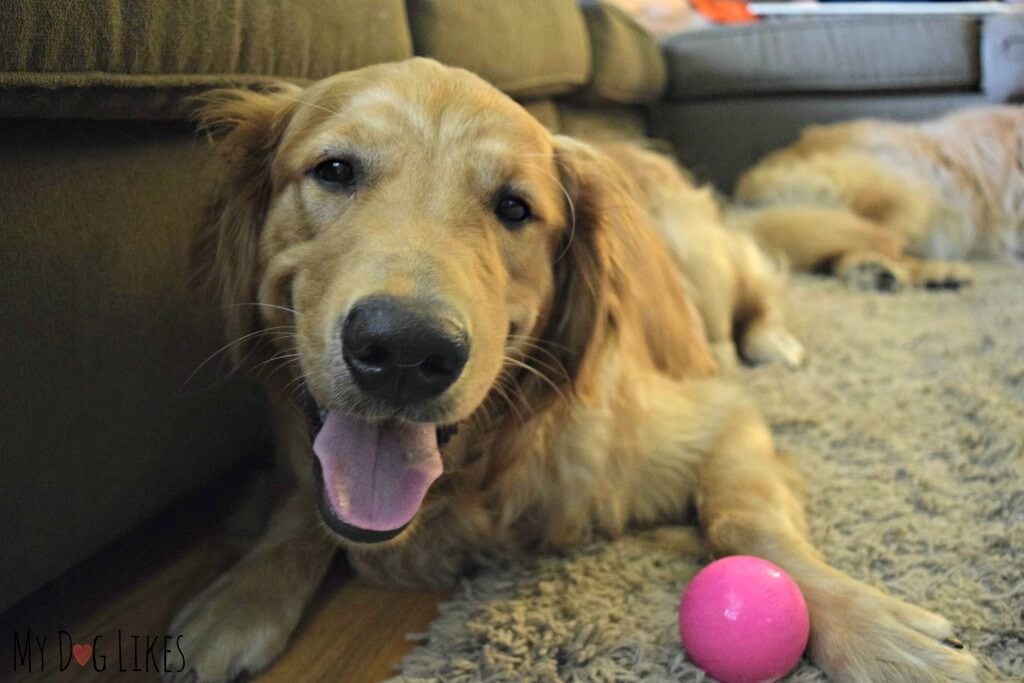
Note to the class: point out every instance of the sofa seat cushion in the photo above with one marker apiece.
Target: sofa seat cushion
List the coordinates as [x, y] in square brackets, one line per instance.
[628, 63]
[528, 48]
[146, 45]
[826, 54]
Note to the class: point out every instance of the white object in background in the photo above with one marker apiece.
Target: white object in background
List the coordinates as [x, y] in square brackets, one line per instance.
[765, 9]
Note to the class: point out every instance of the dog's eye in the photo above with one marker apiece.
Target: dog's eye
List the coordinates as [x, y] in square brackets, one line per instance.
[512, 209]
[335, 172]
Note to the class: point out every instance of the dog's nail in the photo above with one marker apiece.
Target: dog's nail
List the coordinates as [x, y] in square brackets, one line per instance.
[954, 642]
[886, 281]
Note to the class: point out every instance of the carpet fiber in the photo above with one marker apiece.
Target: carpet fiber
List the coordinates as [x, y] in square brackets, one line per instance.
[908, 423]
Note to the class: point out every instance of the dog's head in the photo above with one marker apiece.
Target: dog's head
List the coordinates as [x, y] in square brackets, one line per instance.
[416, 249]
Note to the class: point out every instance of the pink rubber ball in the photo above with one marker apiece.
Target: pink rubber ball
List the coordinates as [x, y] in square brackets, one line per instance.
[743, 620]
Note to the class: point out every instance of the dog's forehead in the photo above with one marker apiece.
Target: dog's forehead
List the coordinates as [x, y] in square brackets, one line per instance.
[442, 108]
[432, 118]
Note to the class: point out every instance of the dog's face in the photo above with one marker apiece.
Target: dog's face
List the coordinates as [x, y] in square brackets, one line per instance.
[415, 216]
[407, 220]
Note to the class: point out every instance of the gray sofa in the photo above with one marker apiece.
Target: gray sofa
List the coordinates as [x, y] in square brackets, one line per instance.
[736, 93]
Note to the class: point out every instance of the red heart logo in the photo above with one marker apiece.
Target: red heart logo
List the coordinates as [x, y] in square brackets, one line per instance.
[81, 653]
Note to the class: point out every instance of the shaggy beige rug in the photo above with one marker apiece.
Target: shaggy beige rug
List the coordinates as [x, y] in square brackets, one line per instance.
[908, 422]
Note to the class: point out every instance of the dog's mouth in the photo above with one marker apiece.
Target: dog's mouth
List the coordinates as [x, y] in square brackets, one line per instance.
[373, 475]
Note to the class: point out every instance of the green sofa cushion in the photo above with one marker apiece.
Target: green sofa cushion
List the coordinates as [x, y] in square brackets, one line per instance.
[612, 121]
[528, 48]
[544, 110]
[54, 51]
[826, 54]
[629, 66]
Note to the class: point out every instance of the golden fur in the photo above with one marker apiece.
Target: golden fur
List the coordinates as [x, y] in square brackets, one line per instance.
[590, 401]
[870, 199]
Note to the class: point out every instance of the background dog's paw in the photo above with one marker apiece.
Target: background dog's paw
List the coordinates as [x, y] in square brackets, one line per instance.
[859, 634]
[228, 631]
[871, 271]
[943, 275]
[773, 344]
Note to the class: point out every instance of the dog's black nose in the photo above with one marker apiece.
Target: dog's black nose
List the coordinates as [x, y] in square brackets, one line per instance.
[400, 355]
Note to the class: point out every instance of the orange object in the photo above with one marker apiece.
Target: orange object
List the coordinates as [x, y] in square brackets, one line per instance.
[724, 11]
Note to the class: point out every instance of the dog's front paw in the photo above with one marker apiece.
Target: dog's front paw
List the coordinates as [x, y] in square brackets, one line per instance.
[772, 344]
[943, 275]
[872, 271]
[861, 635]
[230, 629]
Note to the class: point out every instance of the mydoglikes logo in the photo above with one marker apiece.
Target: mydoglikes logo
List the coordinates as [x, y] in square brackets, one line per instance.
[37, 652]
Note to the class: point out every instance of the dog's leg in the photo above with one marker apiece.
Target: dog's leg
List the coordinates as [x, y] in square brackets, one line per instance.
[738, 291]
[242, 621]
[758, 316]
[766, 340]
[861, 252]
[938, 274]
[871, 270]
[747, 506]
[812, 238]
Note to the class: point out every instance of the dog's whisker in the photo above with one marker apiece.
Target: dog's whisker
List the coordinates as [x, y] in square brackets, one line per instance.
[503, 394]
[572, 215]
[279, 338]
[231, 343]
[541, 376]
[283, 353]
[296, 383]
[519, 395]
[258, 303]
[533, 346]
[294, 386]
[282, 362]
[279, 368]
[538, 342]
[555, 369]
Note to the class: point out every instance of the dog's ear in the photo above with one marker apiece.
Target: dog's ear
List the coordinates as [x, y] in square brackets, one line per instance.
[246, 127]
[613, 276]
[585, 297]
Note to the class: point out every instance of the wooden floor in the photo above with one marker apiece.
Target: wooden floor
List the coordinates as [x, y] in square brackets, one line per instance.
[352, 632]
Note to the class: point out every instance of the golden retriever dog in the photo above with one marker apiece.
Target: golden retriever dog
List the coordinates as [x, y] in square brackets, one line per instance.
[484, 344]
[736, 289]
[873, 201]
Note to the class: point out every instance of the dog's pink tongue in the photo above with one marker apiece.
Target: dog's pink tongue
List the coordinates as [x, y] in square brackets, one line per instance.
[376, 474]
